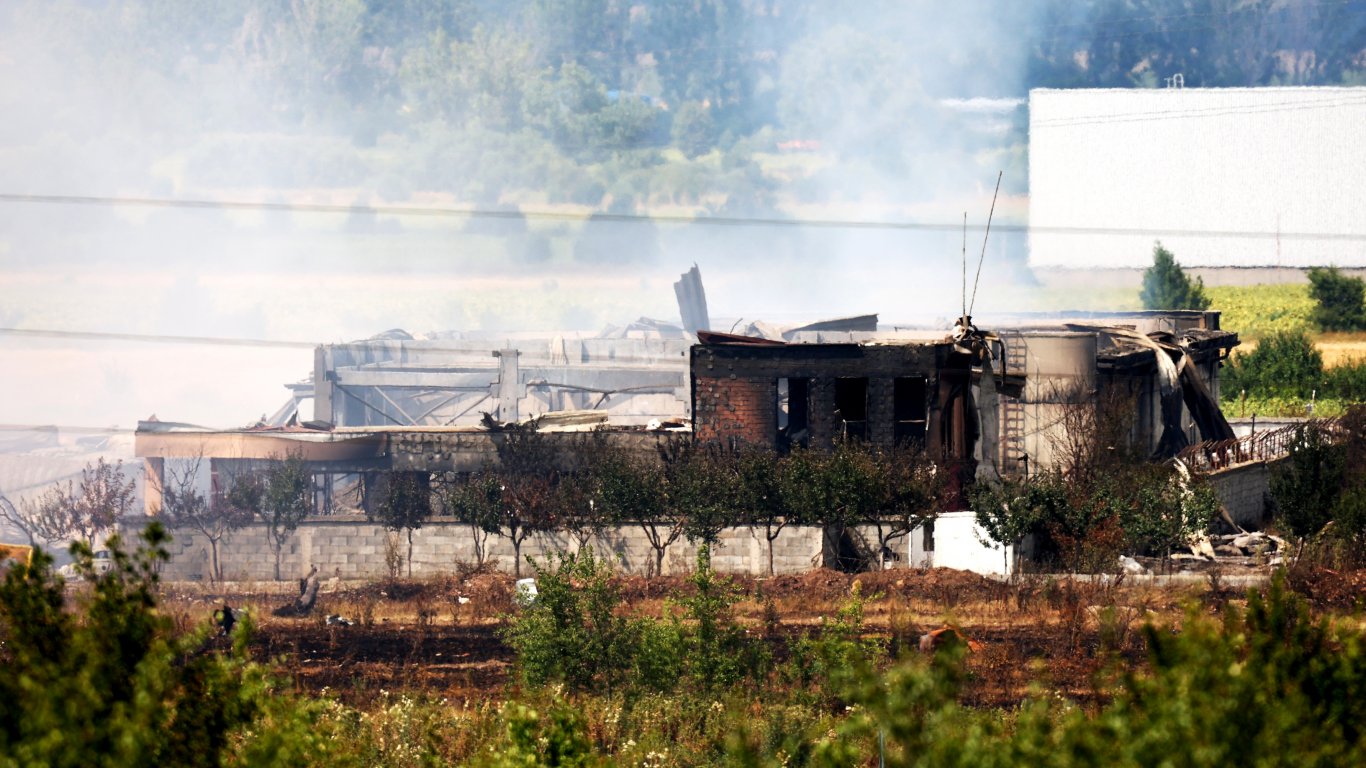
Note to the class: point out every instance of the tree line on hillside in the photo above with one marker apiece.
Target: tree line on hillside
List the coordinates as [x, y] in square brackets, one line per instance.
[487, 100]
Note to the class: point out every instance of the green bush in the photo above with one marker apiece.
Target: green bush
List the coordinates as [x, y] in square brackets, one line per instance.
[1167, 286]
[1341, 300]
[571, 632]
[1284, 364]
[718, 652]
[828, 660]
[1346, 381]
[107, 682]
[1305, 486]
[1269, 686]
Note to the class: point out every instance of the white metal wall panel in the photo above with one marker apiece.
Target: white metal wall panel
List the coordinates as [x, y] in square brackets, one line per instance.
[1279, 174]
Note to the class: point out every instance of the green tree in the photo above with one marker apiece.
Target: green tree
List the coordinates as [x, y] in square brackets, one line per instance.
[214, 517]
[911, 492]
[572, 632]
[406, 505]
[717, 651]
[628, 488]
[759, 500]
[281, 496]
[703, 486]
[1167, 286]
[1284, 364]
[1306, 486]
[475, 500]
[693, 130]
[834, 489]
[1341, 300]
[84, 511]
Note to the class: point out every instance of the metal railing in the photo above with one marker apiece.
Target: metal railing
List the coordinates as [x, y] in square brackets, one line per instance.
[1214, 455]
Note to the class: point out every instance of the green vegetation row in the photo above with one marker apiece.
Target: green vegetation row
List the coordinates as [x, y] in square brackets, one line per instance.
[1284, 375]
[103, 677]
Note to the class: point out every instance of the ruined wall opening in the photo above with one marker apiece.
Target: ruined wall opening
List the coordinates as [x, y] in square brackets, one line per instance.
[851, 406]
[794, 413]
[909, 411]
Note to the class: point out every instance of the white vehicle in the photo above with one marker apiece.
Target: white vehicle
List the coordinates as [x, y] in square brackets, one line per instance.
[101, 563]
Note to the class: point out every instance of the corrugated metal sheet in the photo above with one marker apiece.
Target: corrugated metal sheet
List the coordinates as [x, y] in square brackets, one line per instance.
[1284, 166]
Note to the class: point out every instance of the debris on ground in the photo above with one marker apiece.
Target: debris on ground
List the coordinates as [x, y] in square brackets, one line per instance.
[308, 595]
[947, 636]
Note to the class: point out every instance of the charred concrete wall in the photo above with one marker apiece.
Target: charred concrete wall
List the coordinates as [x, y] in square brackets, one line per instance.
[413, 450]
[1242, 490]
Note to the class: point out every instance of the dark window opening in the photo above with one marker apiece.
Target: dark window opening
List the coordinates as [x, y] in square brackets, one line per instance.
[794, 413]
[929, 536]
[909, 410]
[851, 407]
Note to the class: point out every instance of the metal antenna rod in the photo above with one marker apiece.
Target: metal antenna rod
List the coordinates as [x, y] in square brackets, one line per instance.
[985, 235]
[965, 263]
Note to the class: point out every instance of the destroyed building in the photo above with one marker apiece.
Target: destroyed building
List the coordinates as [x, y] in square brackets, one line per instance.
[425, 405]
[1001, 411]
[989, 403]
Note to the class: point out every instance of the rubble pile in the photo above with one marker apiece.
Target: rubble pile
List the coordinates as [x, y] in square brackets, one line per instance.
[1252, 549]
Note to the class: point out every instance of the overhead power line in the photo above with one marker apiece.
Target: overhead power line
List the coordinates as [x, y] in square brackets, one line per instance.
[156, 338]
[628, 218]
[65, 428]
[1336, 101]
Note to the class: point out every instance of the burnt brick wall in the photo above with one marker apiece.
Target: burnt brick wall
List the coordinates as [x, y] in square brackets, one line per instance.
[882, 411]
[735, 386]
[825, 428]
[730, 408]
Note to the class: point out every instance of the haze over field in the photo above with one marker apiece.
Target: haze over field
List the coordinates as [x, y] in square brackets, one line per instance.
[746, 110]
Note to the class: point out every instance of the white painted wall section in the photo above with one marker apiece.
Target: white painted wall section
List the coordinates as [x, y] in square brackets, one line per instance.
[1284, 166]
[959, 542]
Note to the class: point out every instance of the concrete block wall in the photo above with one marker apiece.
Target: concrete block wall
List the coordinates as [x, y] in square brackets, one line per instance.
[1242, 490]
[354, 548]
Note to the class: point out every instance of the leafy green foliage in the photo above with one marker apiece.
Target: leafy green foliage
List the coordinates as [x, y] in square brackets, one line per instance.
[828, 660]
[286, 498]
[1271, 685]
[571, 632]
[557, 738]
[717, 651]
[1167, 286]
[110, 683]
[1283, 364]
[1341, 300]
[1085, 522]
[406, 504]
[1255, 311]
[1306, 486]
[703, 488]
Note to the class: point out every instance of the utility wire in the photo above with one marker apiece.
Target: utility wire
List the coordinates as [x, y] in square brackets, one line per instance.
[155, 337]
[64, 428]
[925, 226]
[1342, 100]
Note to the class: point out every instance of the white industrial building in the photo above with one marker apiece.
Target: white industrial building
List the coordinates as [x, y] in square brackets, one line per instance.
[1224, 177]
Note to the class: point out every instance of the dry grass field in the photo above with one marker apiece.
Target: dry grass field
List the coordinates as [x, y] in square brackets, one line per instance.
[419, 637]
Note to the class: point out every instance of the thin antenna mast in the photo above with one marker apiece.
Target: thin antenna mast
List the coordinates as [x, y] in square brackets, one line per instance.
[965, 263]
[985, 235]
